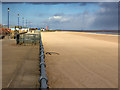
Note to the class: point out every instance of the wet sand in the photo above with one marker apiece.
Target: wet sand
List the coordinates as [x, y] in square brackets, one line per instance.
[20, 65]
[81, 60]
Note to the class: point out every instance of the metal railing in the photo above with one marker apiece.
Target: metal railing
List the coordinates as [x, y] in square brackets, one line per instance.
[22, 38]
[43, 77]
[27, 39]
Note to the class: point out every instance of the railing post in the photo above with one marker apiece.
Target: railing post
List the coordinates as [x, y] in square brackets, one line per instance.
[24, 39]
[17, 38]
[34, 39]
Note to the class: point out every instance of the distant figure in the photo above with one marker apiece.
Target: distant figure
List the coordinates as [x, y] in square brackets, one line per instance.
[2, 37]
[8, 36]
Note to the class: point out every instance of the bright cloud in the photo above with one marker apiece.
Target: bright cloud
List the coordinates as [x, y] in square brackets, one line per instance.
[59, 18]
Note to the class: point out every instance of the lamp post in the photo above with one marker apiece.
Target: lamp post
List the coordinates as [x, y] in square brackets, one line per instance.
[23, 21]
[18, 21]
[30, 23]
[26, 23]
[8, 18]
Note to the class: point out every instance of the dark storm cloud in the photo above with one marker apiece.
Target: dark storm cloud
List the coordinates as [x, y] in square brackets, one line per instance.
[37, 3]
[107, 16]
[60, 0]
[85, 3]
[51, 3]
[12, 2]
[56, 3]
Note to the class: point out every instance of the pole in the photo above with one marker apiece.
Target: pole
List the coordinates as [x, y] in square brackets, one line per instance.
[30, 24]
[18, 21]
[8, 18]
[23, 21]
[26, 23]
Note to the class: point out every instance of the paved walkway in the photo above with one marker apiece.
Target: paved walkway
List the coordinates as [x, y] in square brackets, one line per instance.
[20, 65]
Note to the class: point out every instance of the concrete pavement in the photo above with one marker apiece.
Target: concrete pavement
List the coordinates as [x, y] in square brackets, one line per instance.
[20, 65]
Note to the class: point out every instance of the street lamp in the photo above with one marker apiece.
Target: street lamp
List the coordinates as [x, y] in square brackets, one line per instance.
[18, 21]
[26, 25]
[8, 18]
[30, 23]
[23, 21]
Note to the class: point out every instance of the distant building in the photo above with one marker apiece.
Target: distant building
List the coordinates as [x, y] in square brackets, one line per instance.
[17, 28]
[25, 29]
[47, 28]
[43, 29]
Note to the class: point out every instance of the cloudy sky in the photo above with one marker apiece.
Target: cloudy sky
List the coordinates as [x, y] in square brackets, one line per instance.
[65, 16]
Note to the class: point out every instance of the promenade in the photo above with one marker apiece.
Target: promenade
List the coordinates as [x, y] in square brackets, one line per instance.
[81, 60]
[20, 65]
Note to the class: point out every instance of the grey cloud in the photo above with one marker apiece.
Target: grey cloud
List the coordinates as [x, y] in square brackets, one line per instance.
[55, 3]
[59, 14]
[108, 17]
[12, 2]
[37, 3]
[50, 3]
[60, 0]
[85, 3]
[43, 14]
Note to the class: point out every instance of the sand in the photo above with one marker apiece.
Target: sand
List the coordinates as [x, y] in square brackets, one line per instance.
[20, 65]
[81, 60]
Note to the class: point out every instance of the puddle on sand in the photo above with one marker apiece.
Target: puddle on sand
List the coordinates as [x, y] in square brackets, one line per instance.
[50, 53]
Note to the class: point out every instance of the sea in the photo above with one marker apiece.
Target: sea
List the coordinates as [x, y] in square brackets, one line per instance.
[112, 33]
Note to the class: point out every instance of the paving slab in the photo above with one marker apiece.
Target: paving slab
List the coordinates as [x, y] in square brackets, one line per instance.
[20, 65]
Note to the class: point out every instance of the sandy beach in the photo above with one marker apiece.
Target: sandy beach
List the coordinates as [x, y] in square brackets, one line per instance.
[81, 60]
